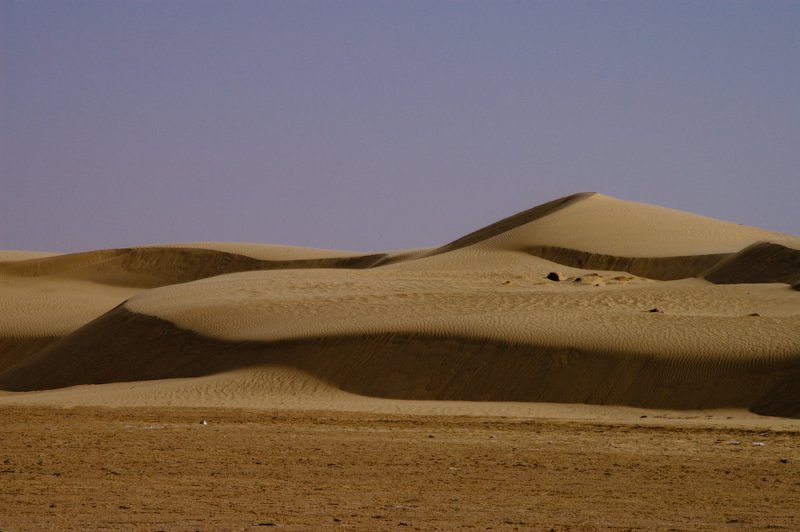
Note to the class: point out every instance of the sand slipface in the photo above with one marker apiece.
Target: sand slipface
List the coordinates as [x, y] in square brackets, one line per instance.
[652, 308]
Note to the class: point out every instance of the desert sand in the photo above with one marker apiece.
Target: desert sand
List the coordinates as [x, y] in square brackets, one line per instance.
[597, 334]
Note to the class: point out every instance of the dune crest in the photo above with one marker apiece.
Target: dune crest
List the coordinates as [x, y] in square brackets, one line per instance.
[606, 225]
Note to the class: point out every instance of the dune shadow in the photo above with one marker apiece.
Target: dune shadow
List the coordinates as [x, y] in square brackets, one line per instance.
[122, 346]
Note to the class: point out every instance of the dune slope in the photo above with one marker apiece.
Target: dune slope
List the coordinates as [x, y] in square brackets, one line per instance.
[416, 366]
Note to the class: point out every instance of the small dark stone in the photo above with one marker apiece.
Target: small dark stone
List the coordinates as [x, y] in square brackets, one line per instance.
[653, 310]
[555, 276]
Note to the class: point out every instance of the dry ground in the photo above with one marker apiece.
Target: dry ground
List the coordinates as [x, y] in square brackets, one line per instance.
[162, 469]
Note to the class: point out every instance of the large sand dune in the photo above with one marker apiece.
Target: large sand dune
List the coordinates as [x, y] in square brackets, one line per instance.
[656, 308]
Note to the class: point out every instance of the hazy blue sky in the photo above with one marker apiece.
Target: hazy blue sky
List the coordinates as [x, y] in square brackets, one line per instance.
[376, 125]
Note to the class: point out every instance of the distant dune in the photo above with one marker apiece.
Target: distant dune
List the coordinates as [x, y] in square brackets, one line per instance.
[585, 299]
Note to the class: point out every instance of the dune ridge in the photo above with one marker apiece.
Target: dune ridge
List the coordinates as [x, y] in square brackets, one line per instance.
[150, 267]
[513, 222]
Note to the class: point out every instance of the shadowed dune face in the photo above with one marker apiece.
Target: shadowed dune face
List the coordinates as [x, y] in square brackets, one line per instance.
[585, 299]
[15, 350]
[414, 366]
[763, 262]
[660, 268]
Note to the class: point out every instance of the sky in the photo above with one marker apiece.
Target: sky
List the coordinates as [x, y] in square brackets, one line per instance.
[375, 125]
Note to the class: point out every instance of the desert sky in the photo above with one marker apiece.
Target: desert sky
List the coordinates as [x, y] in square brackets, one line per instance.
[380, 125]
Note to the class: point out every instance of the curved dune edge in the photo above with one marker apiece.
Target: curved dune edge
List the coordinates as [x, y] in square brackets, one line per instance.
[151, 267]
[262, 251]
[123, 346]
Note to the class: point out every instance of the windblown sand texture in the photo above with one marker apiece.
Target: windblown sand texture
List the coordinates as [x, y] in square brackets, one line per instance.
[656, 309]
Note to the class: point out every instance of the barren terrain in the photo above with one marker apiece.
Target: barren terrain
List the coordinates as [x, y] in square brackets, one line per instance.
[587, 363]
[162, 469]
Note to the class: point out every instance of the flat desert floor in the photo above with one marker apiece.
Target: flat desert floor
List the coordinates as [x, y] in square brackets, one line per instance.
[163, 469]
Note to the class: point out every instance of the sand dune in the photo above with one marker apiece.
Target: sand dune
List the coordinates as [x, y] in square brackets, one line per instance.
[635, 321]
[493, 347]
[595, 231]
[597, 223]
[48, 296]
[149, 267]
